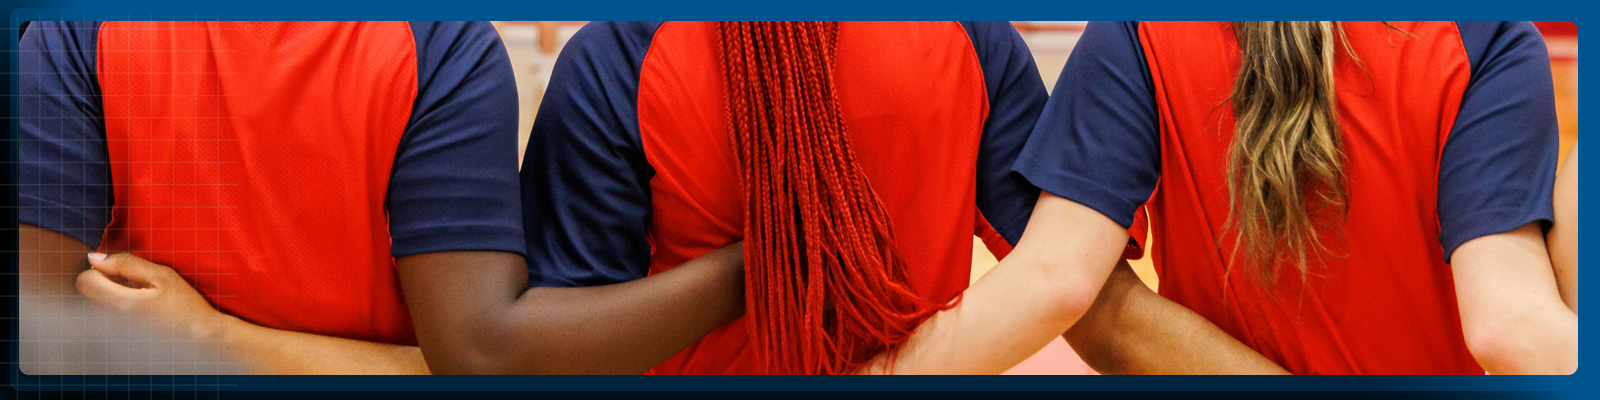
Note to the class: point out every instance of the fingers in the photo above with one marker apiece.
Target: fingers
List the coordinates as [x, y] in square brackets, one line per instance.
[103, 291]
[138, 272]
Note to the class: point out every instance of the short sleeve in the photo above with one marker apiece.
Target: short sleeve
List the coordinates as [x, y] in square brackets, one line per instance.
[64, 175]
[1097, 142]
[454, 183]
[585, 180]
[1497, 169]
[1016, 96]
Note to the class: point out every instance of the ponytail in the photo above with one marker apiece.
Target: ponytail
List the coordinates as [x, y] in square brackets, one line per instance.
[1286, 162]
[825, 288]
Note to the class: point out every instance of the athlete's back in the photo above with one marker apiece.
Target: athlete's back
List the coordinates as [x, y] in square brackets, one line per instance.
[277, 166]
[1447, 133]
[936, 112]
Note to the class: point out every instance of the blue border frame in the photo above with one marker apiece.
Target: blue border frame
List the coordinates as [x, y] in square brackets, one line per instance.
[1573, 386]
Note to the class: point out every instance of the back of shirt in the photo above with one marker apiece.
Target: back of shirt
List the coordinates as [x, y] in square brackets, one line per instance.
[277, 166]
[936, 112]
[1447, 133]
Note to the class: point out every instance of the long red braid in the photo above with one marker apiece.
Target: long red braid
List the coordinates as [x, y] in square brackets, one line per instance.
[825, 288]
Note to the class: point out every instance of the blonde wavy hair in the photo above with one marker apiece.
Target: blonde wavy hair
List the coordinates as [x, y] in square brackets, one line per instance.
[1286, 163]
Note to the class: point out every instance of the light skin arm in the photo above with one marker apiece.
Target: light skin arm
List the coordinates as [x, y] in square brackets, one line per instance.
[1132, 330]
[137, 287]
[1029, 298]
[1511, 311]
[276, 351]
[1563, 236]
[475, 314]
[54, 268]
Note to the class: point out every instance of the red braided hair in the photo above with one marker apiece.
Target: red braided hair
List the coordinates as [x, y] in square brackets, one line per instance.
[825, 288]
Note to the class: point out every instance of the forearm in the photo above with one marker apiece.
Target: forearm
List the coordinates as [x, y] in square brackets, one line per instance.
[1512, 317]
[1032, 296]
[1132, 330]
[1003, 319]
[1536, 342]
[625, 328]
[475, 315]
[263, 350]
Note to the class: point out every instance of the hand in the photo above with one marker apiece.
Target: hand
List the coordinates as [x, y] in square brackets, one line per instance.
[135, 287]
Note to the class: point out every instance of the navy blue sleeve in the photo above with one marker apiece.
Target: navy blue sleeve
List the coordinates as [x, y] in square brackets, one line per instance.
[1097, 142]
[64, 175]
[454, 183]
[1498, 168]
[1016, 96]
[585, 180]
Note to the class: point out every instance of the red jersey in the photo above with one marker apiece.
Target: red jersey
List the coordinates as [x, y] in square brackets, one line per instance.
[277, 166]
[937, 112]
[1449, 134]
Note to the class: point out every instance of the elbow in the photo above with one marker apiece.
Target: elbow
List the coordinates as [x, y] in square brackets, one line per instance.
[1069, 302]
[1489, 345]
[1097, 347]
[477, 348]
[514, 347]
[1518, 347]
[1069, 295]
[465, 360]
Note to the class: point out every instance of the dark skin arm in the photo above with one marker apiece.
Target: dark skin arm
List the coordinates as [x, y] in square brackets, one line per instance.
[474, 314]
[48, 265]
[1132, 330]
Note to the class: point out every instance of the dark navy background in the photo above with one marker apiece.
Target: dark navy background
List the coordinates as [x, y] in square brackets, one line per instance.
[1478, 387]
